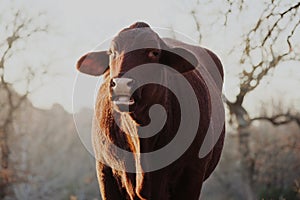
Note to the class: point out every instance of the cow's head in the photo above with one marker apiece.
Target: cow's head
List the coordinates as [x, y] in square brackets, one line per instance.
[132, 47]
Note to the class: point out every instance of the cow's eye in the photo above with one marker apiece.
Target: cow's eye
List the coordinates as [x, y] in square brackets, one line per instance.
[153, 54]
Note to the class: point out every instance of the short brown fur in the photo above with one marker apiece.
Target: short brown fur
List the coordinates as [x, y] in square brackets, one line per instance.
[180, 180]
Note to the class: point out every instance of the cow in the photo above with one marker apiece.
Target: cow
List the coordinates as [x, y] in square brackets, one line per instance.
[123, 108]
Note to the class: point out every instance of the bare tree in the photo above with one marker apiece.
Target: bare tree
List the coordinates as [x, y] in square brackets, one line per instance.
[269, 30]
[19, 29]
[277, 25]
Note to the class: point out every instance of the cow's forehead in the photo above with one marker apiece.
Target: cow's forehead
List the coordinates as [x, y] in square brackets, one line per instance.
[134, 39]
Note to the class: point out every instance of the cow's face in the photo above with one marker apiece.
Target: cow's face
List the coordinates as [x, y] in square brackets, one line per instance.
[133, 47]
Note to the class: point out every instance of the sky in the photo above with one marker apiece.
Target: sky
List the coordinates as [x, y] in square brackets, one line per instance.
[76, 27]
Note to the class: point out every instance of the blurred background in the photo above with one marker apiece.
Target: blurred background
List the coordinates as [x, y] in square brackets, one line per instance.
[258, 42]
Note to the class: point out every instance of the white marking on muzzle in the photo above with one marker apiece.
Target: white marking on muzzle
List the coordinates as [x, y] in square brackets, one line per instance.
[122, 91]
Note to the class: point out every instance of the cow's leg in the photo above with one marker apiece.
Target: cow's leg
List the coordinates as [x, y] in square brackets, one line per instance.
[109, 187]
[153, 186]
[188, 185]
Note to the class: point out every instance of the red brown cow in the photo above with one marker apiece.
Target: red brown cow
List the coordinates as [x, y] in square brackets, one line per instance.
[123, 109]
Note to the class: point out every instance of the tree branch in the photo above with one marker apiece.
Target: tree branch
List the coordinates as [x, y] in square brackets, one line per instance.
[280, 119]
[197, 23]
[266, 29]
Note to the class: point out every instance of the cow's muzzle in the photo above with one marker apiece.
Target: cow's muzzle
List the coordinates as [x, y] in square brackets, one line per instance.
[121, 91]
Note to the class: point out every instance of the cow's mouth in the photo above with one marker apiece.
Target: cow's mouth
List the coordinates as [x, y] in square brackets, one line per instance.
[123, 100]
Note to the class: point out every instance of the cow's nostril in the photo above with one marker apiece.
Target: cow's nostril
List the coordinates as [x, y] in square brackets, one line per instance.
[112, 83]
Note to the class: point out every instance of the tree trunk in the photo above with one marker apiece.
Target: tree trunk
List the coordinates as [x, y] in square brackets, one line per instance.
[5, 175]
[247, 164]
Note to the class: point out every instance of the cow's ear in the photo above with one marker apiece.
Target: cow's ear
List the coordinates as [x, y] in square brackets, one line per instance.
[93, 63]
[179, 59]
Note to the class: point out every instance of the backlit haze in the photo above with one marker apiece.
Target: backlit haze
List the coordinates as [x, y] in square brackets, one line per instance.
[76, 27]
